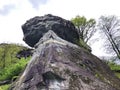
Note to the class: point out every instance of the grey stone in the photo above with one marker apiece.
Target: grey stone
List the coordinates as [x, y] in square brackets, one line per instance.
[36, 27]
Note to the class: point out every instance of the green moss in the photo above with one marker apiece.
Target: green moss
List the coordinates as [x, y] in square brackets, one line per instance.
[100, 76]
[97, 75]
[82, 65]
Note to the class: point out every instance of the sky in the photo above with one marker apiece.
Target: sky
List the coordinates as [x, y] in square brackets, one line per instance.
[14, 13]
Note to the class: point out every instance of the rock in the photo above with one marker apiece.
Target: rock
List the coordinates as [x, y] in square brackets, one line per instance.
[60, 65]
[24, 53]
[36, 27]
[5, 82]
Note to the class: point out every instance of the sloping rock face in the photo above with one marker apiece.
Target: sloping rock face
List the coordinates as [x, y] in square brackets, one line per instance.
[36, 27]
[60, 65]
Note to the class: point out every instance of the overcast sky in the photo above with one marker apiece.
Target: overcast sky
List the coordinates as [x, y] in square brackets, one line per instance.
[14, 13]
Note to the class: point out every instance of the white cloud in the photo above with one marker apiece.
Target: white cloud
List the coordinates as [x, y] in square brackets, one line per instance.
[6, 9]
[37, 3]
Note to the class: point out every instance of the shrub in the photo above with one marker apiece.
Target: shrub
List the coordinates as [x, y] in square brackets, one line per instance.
[5, 87]
[13, 70]
[115, 67]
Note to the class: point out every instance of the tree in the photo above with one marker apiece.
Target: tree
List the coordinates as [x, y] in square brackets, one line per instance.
[85, 28]
[110, 27]
[4, 55]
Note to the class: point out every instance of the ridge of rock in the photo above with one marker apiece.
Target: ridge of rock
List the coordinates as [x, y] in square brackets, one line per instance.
[51, 37]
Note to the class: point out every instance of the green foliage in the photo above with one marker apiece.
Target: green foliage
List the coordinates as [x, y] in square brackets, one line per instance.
[117, 74]
[5, 87]
[84, 45]
[8, 54]
[85, 28]
[13, 70]
[79, 21]
[10, 66]
[115, 67]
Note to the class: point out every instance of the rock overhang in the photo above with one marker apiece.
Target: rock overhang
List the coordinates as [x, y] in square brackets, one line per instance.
[36, 27]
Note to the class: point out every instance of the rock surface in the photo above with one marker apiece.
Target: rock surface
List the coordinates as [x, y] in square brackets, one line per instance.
[60, 65]
[36, 27]
[24, 53]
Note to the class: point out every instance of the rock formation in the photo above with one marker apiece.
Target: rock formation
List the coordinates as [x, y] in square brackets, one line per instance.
[36, 27]
[58, 64]
[24, 53]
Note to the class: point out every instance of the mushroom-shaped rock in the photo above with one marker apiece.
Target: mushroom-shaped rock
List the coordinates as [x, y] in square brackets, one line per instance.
[60, 65]
[36, 27]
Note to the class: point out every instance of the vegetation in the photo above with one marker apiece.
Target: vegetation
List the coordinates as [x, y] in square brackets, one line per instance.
[110, 27]
[115, 67]
[4, 87]
[13, 70]
[8, 54]
[85, 28]
[10, 65]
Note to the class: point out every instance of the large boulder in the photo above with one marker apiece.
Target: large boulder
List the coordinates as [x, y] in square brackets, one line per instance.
[36, 27]
[60, 65]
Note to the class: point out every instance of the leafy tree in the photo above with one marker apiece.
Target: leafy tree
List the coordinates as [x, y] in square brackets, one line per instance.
[85, 28]
[110, 27]
[4, 54]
